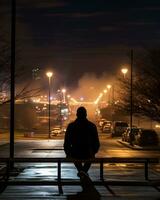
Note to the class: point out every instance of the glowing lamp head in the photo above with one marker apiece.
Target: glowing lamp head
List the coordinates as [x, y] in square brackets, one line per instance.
[105, 91]
[49, 74]
[124, 70]
[109, 86]
[63, 90]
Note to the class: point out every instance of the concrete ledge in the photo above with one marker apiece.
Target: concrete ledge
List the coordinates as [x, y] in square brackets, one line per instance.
[71, 160]
[77, 182]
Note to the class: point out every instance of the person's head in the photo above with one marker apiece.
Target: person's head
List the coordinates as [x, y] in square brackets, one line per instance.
[81, 113]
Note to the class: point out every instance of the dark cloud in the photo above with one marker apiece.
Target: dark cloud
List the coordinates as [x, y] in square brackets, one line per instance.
[76, 36]
[41, 4]
[151, 8]
[109, 28]
[87, 14]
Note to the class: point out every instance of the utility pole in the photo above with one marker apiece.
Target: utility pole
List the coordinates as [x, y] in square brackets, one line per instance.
[131, 89]
[49, 75]
[12, 79]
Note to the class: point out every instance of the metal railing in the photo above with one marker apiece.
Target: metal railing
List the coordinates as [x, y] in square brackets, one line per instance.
[59, 181]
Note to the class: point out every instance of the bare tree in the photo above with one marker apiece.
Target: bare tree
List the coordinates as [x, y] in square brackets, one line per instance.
[146, 85]
[22, 92]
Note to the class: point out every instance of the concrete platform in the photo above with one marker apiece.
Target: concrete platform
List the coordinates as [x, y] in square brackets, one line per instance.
[70, 193]
[47, 171]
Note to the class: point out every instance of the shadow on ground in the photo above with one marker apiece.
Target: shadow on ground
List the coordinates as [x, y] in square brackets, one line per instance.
[84, 196]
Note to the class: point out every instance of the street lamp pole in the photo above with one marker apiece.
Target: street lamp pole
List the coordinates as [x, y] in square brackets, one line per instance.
[12, 83]
[105, 92]
[131, 90]
[49, 75]
[64, 95]
[109, 93]
[124, 71]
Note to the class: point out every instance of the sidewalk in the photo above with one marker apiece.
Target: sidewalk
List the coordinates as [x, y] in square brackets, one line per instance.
[136, 147]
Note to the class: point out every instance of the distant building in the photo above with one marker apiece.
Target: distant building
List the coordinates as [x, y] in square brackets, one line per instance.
[36, 73]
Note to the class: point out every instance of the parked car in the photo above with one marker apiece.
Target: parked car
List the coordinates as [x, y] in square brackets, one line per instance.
[146, 137]
[101, 121]
[106, 127]
[129, 134]
[56, 131]
[118, 127]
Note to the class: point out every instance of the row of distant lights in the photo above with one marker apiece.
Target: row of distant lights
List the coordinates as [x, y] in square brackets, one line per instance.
[44, 98]
[124, 71]
[49, 74]
[101, 94]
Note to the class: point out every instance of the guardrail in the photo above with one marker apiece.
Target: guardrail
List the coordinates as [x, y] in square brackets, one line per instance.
[60, 182]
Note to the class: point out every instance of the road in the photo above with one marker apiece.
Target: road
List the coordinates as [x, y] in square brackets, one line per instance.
[110, 147]
[113, 147]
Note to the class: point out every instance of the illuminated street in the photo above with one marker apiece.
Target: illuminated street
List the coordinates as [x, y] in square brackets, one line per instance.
[110, 147]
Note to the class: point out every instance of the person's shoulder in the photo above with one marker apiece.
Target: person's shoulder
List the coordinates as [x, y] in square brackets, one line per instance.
[91, 124]
[71, 124]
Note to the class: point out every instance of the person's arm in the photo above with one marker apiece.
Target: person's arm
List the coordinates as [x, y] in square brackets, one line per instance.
[96, 143]
[67, 141]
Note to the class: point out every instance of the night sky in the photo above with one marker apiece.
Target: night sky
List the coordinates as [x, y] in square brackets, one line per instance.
[75, 37]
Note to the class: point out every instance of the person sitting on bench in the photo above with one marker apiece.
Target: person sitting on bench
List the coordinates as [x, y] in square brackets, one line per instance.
[81, 140]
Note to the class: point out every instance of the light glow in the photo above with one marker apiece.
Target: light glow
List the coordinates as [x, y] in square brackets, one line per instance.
[124, 70]
[109, 86]
[49, 74]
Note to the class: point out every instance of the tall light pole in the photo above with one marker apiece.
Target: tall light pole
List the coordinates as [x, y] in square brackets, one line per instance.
[131, 89]
[49, 75]
[68, 102]
[105, 92]
[12, 77]
[68, 97]
[124, 71]
[109, 91]
[64, 95]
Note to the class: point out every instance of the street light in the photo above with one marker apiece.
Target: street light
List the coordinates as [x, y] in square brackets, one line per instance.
[109, 91]
[68, 98]
[49, 75]
[105, 92]
[124, 71]
[131, 89]
[109, 86]
[64, 95]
